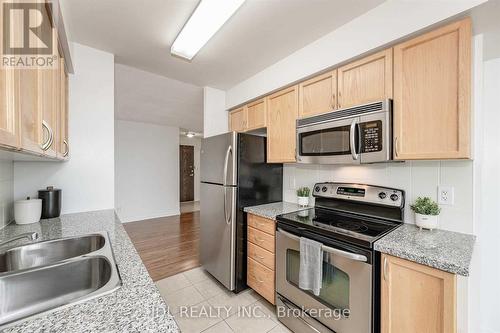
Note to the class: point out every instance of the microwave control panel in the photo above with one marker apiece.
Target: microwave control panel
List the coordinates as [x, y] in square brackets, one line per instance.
[371, 136]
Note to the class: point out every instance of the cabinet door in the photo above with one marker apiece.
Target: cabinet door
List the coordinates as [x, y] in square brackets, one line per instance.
[282, 113]
[8, 115]
[318, 95]
[63, 144]
[29, 111]
[366, 80]
[256, 114]
[48, 92]
[416, 298]
[238, 120]
[432, 77]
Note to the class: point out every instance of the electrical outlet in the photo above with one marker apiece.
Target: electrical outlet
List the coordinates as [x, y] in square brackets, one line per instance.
[446, 195]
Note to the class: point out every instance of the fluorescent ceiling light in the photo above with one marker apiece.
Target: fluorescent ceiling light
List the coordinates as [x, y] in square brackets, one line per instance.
[205, 21]
[190, 134]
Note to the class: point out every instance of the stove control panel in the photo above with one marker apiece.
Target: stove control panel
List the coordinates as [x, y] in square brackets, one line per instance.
[362, 193]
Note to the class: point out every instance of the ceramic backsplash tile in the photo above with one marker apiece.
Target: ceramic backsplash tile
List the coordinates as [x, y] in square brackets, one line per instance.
[417, 178]
[6, 192]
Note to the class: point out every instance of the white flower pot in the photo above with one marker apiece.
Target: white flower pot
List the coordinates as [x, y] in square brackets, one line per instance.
[303, 201]
[426, 221]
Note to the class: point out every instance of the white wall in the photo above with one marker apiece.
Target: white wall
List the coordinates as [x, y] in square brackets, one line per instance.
[87, 179]
[147, 170]
[196, 143]
[6, 192]
[384, 24]
[214, 112]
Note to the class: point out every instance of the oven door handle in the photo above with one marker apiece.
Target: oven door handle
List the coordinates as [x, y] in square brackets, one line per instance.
[345, 254]
[352, 138]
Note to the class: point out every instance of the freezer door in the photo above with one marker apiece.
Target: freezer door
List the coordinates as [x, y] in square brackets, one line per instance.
[218, 159]
[218, 232]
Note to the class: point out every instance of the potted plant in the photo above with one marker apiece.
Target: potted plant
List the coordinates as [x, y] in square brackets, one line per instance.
[303, 196]
[426, 213]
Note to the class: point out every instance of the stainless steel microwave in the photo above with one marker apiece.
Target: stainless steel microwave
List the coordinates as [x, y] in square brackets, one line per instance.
[355, 135]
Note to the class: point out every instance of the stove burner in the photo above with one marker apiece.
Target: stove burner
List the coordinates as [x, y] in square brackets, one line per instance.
[351, 226]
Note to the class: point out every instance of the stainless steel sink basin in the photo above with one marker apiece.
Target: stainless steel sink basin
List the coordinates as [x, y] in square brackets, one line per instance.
[48, 252]
[47, 275]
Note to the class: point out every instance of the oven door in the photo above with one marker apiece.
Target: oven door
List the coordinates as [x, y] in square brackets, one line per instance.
[347, 289]
[332, 142]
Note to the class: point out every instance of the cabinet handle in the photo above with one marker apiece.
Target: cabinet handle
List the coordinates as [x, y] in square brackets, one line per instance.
[333, 102]
[384, 270]
[258, 239]
[66, 151]
[259, 280]
[46, 145]
[260, 257]
[340, 100]
[396, 146]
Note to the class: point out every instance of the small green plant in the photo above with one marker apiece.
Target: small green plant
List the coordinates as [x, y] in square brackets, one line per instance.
[425, 206]
[303, 192]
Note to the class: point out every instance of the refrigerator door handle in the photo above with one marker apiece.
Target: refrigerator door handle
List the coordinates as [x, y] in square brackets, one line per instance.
[226, 161]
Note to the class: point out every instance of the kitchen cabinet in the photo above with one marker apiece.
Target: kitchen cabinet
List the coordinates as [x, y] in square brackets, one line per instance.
[34, 103]
[416, 298]
[256, 114]
[365, 80]
[238, 120]
[318, 95]
[62, 144]
[282, 113]
[432, 77]
[261, 258]
[8, 116]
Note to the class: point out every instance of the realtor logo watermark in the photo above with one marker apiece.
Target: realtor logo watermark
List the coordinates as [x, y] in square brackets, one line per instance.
[28, 36]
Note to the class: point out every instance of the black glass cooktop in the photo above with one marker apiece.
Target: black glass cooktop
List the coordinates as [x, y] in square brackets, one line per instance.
[331, 223]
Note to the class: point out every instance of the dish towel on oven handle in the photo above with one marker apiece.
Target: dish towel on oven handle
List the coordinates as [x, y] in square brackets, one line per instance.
[311, 265]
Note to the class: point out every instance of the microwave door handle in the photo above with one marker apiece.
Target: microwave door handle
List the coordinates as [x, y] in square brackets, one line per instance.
[345, 254]
[352, 133]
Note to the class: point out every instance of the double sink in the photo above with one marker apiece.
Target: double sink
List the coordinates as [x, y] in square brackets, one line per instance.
[43, 276]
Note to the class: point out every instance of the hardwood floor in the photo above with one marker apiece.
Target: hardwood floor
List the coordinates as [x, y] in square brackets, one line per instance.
[167, 245]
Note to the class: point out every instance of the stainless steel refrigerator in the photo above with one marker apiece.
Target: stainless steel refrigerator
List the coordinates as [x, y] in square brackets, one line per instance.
[234, 175]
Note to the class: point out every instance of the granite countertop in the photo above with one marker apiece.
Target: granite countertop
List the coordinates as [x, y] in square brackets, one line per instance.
[135, 307]
[445, 250]
[270, 211]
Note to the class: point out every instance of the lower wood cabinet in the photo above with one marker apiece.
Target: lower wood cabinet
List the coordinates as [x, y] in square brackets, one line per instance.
[261, 256]
[416, 298]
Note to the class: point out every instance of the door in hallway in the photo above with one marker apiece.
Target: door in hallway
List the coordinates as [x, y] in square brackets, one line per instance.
[186, 158]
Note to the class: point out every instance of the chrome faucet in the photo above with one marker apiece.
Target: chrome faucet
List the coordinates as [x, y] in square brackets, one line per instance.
[28, 235]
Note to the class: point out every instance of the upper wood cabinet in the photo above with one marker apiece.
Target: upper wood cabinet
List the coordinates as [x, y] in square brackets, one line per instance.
[416, 298]
[318, 95]
[238, 120]
[365, 80]
[256, 114]
[8, 117]
[33, 101]
[282, 113]
[432, 77]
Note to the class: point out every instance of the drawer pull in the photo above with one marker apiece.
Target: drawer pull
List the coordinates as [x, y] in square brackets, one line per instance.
[257, 239]
[260, 257]
[259, 280]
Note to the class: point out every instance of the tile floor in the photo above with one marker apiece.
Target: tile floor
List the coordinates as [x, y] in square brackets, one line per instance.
[199, 303]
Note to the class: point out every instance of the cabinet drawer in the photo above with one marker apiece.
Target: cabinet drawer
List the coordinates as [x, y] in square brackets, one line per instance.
[261, 239]
[261, 279]
[260, 255]
[261, 223]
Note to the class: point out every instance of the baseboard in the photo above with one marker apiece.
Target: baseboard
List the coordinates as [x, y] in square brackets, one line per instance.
[137, 218]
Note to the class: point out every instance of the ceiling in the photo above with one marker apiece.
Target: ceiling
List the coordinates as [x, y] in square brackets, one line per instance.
[262, 32]
[146, 97]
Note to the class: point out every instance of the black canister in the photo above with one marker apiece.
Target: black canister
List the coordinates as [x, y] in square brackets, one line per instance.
[51, 202]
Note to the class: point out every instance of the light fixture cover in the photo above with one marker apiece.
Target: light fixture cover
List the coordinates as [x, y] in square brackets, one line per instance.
[190, 134]
[205, 21]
